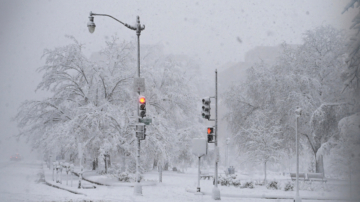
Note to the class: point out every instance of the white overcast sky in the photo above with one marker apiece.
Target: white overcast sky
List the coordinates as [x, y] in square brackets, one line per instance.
[205, 30]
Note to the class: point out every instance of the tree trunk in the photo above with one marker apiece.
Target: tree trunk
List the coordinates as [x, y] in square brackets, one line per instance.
[96, 163]
[166, 167]
[320, 164]
[105, 165]
[160, 172]
[155, 163]
[123, 166]
[265, 172]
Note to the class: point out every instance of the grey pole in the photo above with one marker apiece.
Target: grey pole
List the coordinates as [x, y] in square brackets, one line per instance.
[198, 184]
[138, 28]
[216, 191]
[227, 153]
[297, 113]
[138, 187]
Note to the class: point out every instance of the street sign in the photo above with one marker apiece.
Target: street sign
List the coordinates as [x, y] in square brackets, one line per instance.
[146, 121]
[139, 84]
[199, 147]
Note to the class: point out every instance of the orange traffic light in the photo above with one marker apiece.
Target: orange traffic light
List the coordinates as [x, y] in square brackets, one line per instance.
[210, 131]
[142, 100]
[142, 106]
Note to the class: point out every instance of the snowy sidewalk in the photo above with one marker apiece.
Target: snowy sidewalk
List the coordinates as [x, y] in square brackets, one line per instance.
[92, 176]
[68, 182]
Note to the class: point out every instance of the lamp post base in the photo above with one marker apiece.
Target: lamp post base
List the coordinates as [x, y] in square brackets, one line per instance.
[216, 193]
[138, 189]
[297, 199]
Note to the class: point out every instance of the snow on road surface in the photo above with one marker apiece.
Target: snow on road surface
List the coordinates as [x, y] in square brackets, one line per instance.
[19, 183]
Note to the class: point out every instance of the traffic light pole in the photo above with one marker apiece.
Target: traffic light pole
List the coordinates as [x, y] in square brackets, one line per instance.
[216, 191]
[138, 28]
[137, 186]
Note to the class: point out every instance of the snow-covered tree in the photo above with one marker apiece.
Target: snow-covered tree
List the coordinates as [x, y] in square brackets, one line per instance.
[352, 74]
[345, 156]
[305, 76]
[260, 142]
[93, 102]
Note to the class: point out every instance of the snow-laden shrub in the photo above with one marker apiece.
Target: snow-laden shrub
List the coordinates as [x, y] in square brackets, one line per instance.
[228, 180]
[222, 180]
[40, 176]
[134, 177]
[123, 177]
[248, 184]
[259, 182]
[289, 186]
[236, 182]
[273, 185]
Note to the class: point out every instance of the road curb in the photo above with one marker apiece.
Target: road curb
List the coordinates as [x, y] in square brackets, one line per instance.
[119, 184]
[264, 196]
[56, 186]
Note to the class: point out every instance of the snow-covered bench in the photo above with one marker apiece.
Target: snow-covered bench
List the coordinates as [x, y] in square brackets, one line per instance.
[301, 176]
[206, 175]
[316, 177]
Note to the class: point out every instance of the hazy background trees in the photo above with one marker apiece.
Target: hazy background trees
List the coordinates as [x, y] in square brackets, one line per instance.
[306, 76]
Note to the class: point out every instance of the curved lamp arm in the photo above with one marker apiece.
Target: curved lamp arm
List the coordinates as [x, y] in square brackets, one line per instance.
[138, 27]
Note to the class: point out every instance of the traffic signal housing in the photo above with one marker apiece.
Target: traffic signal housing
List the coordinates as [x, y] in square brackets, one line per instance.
[211, 134]
[206, 108]
[140, 131]
[142, 106]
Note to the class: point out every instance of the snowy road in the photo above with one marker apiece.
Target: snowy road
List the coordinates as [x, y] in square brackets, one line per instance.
[18, 183]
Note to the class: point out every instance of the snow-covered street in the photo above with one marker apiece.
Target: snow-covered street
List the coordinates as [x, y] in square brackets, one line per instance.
[214, 101]
[19, 183]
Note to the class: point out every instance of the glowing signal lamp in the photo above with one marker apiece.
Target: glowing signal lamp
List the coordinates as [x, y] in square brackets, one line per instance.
[210, 131]
[142, 106]
[210, 135]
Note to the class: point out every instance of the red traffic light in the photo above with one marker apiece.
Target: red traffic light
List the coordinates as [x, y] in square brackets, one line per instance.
[210, 131]
[142, 100]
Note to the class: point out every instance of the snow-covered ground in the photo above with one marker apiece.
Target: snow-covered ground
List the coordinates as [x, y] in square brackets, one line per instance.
[18, 183]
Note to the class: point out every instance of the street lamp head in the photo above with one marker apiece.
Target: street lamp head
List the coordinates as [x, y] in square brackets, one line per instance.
[91, 24]
[298, 111]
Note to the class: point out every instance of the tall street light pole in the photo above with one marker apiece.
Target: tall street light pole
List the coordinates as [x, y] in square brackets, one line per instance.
[138, 28]
[216, 190]
[297, 114]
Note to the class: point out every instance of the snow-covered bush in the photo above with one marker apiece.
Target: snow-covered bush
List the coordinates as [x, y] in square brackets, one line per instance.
[223, 180]
[273, 185]
[123, 177]
[248, 184]
[236, 182]
[228, 180]
[41, 176]
[289, 186]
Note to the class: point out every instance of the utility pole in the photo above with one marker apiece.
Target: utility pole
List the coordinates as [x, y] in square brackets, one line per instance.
[138, 28]
[138, 187]
[297, 114]
[216, 191]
